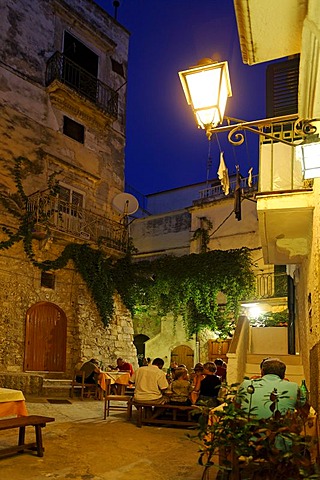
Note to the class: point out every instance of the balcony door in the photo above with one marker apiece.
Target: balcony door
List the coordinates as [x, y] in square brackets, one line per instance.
[70, 216]
[46, 338]
[80, 67]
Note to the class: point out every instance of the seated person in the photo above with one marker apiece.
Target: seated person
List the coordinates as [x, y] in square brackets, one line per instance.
[255, 393]
[91, 370]
[207, 386]
[180, 388]
[221, 369]
[150, 383]
[171, 369]
[123, 366]
[197, 371]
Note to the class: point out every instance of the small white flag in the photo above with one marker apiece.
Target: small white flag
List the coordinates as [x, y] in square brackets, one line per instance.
[223, 175]
[250, 177]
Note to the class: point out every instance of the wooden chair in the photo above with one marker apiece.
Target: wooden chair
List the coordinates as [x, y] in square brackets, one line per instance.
[108, 398]
[87, 389]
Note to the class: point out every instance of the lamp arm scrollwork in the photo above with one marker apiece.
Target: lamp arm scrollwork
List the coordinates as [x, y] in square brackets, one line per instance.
[302, 127]
[239, 137]
[305, 127]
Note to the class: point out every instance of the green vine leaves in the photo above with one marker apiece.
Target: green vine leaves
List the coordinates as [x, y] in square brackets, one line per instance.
[185, 286]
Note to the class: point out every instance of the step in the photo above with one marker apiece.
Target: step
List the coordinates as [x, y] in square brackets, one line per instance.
[56, 387]
[253, 367]
[53, 382]
[294, 372]
[287, 359]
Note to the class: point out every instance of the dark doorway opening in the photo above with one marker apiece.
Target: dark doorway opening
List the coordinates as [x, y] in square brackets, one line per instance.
[139, 342]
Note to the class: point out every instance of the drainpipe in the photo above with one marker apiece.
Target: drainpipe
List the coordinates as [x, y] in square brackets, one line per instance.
[197, 350]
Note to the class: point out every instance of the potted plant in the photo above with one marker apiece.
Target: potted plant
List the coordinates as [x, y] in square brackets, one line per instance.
[244, 447]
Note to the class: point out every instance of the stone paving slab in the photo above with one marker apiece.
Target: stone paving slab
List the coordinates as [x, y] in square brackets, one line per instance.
[80, 445]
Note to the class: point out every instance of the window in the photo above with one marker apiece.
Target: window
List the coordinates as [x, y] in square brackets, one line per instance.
[73, 129]
[47, 280]
[117, 67]
[282, 87]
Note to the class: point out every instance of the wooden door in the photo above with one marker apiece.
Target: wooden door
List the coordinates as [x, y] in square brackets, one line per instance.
[218, 349]
[46, 338]
[183, 354]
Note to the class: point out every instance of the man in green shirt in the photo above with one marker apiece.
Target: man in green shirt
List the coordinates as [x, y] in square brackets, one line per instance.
[262, 396]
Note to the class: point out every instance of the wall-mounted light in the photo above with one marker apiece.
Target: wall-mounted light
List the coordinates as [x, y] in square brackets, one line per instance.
[310, 156]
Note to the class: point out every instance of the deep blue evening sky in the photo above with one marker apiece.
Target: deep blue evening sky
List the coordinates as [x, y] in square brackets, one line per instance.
[164, 147]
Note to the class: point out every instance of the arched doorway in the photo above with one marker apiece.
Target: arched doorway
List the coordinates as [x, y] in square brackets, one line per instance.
[183, 354]
[46, 338]
[139, 343]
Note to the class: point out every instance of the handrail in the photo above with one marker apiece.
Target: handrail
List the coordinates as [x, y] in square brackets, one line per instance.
[237, 354]
[57, 215]
[60, 67]
[270, 285]
[217, 191]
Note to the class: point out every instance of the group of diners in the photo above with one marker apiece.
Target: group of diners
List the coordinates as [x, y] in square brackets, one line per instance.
[203, 386]
[92, 369]
[154, 386]
[177, 386]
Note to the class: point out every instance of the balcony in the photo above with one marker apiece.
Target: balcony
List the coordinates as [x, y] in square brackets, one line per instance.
[215, 192]
[62, 70]
[52, 213]
[284, 201]
[271, 285]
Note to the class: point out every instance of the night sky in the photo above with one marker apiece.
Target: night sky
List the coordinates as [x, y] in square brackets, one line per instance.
[164, 147]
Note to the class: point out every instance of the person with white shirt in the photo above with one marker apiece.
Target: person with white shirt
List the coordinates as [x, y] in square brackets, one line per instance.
[150, 384]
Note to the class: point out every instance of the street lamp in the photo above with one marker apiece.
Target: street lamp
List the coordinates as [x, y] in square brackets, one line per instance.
[207, 87]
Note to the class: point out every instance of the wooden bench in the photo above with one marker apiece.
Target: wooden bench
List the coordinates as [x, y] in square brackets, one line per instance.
[36, 421]
[166, 414]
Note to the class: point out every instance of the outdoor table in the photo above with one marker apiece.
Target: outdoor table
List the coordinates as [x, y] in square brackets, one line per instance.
[118, 378]
[12, 402]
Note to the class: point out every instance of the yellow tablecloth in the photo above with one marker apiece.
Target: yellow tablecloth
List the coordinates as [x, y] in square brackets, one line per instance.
[120, 378]
[12, 402]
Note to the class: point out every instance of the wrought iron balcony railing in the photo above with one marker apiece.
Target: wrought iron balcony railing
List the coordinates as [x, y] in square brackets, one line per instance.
[216, 191]
[60, 67]
[57, 215]
[271, 285]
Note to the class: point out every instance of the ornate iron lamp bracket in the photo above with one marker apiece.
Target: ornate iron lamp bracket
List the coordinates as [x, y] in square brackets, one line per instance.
[302, 127]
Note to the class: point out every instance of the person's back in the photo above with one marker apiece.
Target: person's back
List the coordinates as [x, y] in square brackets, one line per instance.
[91, 370]
[180, 388]
[258, 395]
[150, 383]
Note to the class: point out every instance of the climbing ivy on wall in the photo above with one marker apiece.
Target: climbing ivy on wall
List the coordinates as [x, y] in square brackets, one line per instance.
[189, 286]
[186, 286]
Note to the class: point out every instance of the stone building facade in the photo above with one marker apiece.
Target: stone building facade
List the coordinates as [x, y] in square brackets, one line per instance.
[169, 230]
[63, 68]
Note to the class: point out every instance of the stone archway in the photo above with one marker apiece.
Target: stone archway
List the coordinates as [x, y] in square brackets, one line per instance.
[46, 338]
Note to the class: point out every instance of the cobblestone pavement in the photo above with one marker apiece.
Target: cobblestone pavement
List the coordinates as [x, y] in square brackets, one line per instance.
[80, 445]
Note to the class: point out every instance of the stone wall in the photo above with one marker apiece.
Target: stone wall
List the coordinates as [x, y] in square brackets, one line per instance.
[87, 337]
[32, 125]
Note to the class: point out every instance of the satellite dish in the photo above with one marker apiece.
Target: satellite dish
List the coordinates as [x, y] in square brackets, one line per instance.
[125, 203]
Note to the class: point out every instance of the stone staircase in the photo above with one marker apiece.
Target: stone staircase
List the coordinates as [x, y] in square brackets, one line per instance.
[53, 388]
[294, 371]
